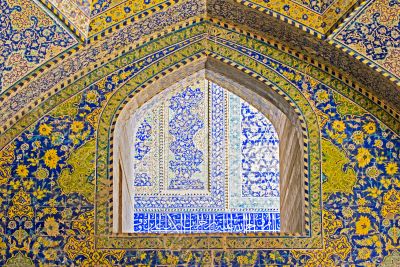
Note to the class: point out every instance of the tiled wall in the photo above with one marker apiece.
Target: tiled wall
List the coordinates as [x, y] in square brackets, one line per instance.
[48, 160]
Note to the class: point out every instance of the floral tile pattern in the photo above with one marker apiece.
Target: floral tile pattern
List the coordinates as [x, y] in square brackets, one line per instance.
[75, 12]
[90, 17]
[374, 34]
[90, 54]
[106, 13]
[260, 154]
[47, 192]
[28, 38]
[318, 16]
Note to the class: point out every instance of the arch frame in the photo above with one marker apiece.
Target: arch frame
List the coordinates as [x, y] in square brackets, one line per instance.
[74, 86]
[201, 241]
[286, 122]
[345, 68]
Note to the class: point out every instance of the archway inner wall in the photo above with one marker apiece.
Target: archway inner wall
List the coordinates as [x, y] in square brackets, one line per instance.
[268, 102]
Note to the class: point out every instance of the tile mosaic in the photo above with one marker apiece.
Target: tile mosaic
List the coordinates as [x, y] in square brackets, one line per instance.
[316, 17]
[75, 14]
[29, 37]
[368, 149]
[90, 17]
[373, 34]
[103, 221]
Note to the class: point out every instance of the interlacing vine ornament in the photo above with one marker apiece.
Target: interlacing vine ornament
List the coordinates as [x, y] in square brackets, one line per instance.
[28, 38]
[82, 249]
[52, 160]
[374, 33]
[183, 126]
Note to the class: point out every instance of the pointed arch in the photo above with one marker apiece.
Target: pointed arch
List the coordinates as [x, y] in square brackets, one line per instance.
[286, 119]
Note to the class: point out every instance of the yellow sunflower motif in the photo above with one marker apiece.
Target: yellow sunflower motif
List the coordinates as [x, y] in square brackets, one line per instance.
[77, 126]
[45, 129]
[92, 96]
[51, 227]
[363, 225]
[114, 78]
[51, 158]
[370, 128]
[391, 168]
[358, 137]
[22, 171]
[363, 157]
[339, 126]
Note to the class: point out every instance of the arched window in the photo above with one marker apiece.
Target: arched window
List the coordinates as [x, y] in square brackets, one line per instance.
[198, 158]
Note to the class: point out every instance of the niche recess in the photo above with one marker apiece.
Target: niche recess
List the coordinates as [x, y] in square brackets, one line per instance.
[272, 105]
